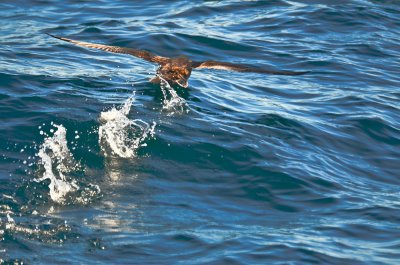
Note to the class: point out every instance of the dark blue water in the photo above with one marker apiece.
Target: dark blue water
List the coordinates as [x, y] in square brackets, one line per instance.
[240, 168]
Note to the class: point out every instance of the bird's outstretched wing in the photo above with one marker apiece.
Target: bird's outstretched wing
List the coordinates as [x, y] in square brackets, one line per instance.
[148, 56]
[240, 68]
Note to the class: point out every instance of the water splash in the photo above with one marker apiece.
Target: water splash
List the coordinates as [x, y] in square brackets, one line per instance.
[42, 229]
[172, 102]
[121, 135]
[57, 160]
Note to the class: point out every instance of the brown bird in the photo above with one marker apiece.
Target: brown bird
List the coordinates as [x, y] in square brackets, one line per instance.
[176, 70]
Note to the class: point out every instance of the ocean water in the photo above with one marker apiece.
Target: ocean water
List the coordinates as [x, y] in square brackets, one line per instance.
[100, 166]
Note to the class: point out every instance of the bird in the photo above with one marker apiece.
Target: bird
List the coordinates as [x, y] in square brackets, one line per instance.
[176, 70]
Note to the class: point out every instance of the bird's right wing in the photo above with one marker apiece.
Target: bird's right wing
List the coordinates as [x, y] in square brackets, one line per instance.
[240, 68]
[148, 56]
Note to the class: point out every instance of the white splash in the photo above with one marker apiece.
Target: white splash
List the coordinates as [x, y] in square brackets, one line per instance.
[57, 160]
[172, 101]
[122, 135]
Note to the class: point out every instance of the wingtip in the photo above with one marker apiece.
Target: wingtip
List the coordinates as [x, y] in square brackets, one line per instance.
[54, 36]
[302, 73]
[282, 72]
[293, 73]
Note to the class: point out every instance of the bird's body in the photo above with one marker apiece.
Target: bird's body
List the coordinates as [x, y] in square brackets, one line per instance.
[176, 70]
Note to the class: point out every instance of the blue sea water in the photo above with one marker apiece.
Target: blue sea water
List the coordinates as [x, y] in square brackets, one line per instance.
[99, 166]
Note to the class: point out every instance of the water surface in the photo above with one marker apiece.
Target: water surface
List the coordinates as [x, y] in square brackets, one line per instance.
[100, 166]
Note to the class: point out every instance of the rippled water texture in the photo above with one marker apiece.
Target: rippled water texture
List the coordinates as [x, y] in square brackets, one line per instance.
[100, 166]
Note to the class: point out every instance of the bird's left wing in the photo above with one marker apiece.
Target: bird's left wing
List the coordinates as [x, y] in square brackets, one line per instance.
[240, 68]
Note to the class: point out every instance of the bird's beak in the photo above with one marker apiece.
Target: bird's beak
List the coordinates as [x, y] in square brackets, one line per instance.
[183, 83]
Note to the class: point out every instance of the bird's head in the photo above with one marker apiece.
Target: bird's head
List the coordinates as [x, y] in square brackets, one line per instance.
[177, 71]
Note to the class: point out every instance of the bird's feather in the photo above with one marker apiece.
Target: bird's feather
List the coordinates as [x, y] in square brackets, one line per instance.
[116, 49]
[240, 68]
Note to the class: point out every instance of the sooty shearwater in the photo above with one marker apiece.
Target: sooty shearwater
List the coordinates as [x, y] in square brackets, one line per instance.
[176, 70]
